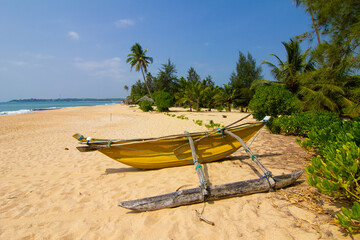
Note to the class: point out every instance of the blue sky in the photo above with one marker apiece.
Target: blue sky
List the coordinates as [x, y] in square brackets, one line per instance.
[52, 49]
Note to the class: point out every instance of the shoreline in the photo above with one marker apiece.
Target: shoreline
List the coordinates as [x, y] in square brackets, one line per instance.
[48, 189]
[37, 108]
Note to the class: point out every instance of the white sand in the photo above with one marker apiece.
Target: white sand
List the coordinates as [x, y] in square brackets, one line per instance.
[48, 192]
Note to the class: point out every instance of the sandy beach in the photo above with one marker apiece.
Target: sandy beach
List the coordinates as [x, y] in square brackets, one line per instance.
[50, 190]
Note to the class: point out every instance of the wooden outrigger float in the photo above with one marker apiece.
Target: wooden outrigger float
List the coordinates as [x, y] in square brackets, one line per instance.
[190, 148]
[194, 195]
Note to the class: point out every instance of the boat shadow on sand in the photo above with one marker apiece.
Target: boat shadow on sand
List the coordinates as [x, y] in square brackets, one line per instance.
[242, 160]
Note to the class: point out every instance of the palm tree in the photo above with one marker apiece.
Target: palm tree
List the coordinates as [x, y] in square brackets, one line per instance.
[138, 58]
[185, 94]
[210, 93]
[126, 88]
[198, 91]
[226, 95]
[296, 63]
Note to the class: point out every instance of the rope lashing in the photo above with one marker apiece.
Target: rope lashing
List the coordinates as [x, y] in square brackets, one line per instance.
[266, 175]
[109, 143]
[81, 137]
[198, 166]
[221, 131]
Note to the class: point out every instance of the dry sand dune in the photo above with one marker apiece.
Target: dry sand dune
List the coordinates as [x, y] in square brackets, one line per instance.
[49, 192]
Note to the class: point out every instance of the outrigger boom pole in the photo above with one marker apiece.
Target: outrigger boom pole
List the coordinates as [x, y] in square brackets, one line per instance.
[198, 168]
[267, 173]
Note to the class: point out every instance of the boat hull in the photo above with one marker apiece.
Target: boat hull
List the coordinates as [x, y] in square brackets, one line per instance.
[172, 152]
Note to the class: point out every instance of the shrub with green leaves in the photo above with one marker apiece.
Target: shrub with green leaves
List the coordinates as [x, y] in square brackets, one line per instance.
[272, 101]
[212, 124]
[198, 122]
[183, 117]
[335, 170]
[146, 106]
[300, 124]
[163, 101]
[350, 219]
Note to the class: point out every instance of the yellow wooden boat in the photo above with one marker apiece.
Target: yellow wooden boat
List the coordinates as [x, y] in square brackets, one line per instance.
[174, 150]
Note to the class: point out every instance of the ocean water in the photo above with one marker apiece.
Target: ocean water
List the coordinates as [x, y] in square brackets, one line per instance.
[7, 108]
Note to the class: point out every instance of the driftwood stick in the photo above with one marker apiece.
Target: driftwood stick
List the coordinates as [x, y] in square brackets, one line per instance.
[193, 195]
[201, 217]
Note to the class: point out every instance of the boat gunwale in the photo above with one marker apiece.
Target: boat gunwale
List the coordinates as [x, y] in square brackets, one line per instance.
[118, 142]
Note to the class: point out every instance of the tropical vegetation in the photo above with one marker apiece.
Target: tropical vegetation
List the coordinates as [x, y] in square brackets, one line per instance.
[313, 91]
[138, 58]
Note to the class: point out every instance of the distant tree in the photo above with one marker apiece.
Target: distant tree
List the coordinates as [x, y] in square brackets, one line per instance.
[150, 82]
[210, 91]
[126, 88]
[185, 94]
[138, 90]
[193, 77]
[208, 81]
[138, 58]
[163, 101]
[242, 78]
[166, 79]
[198, 91]
[226, 95]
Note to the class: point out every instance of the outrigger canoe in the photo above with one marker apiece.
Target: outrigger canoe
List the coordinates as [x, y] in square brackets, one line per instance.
[174, 150]
[190, 148]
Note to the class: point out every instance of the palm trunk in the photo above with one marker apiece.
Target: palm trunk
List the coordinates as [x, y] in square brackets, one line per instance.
[142, 71]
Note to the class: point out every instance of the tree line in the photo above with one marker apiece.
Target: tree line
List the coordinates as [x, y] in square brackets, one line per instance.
[324, 77]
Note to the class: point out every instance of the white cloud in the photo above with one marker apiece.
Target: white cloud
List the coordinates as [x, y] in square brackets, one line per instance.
[74, 35]
[18, 63]
[124, 23]
[109, 68]
[43, 56]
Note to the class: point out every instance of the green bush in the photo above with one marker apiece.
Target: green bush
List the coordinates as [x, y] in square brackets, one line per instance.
[164, 100]
[300, 124]
[272, 101]
[146, 106]
[335, 170]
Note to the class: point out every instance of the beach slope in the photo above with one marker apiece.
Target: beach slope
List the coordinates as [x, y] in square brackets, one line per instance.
[50, 190]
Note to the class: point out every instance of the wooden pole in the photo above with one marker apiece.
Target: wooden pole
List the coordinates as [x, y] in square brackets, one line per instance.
[267, 174]
[198, 168]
